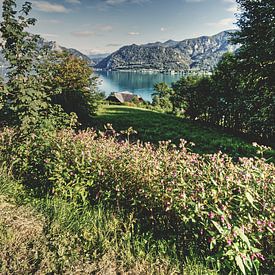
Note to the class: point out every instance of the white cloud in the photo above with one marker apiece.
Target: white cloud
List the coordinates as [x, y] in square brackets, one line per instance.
[118, 2]
[194, 1]
[73, 1]
[115, 2]
[83, 33]
[46, 6]
[133, 33]
[113, 45]
[104, 28]
[49, 35]
[224, 23]
[162, 29]
[233, 9]
[97, 30]
[51, 21]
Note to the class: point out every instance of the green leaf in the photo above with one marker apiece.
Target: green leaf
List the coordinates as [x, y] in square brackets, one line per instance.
[243, 236]
[218, 227]
[239, 262]
[250, 199]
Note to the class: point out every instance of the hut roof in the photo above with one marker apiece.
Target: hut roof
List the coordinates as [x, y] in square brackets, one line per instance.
[124, 97]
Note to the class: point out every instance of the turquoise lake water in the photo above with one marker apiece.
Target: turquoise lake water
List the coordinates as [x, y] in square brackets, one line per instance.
[140, 83]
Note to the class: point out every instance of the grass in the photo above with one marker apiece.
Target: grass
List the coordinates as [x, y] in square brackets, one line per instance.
[154, 127]
[52, 236]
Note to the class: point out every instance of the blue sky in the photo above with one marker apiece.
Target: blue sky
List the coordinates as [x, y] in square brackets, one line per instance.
[97, 26]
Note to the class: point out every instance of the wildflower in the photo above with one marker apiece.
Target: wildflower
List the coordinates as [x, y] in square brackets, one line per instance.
[260, 256]
[211, 215]
[229, 241]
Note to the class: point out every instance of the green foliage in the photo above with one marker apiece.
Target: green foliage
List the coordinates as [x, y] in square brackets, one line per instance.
[71, 76]
[25, 100]
[161, 97]
[223, 209]
[154, 126]
[2, 93]
[191, 95]
[41, 84]
[226, 99]
[240, 93]
[257, 63]
[65, 238]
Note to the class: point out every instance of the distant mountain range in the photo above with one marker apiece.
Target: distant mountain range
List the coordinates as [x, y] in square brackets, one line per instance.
[52, 45]
[201, 53]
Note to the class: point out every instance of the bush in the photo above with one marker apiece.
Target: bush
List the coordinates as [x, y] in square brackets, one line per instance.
[223, 209]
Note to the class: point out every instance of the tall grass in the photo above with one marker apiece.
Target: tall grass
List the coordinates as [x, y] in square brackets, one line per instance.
[51, 235]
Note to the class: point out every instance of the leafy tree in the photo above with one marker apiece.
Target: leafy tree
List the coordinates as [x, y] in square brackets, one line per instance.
[257, 63]
[190, 94]
[161, 97]
[25, 100]
[71, 77]
[227, 99]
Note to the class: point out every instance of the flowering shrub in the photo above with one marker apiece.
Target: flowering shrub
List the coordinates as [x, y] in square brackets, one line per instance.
[222, 208]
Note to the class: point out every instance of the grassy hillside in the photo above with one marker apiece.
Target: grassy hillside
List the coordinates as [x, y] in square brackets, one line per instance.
[154, 127]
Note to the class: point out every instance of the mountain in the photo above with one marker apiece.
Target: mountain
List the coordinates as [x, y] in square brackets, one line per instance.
[96, 58]
[52, 45]
[144, 57]
[201, 53]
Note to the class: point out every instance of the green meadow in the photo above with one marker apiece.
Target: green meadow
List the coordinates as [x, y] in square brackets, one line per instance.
[152, 126]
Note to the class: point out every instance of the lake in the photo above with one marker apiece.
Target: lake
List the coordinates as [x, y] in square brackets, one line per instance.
[140, 83]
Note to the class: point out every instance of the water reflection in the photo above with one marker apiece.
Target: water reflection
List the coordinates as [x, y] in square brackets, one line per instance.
[140, 83]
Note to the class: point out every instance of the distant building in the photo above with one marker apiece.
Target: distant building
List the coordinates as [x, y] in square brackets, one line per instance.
[123, 97]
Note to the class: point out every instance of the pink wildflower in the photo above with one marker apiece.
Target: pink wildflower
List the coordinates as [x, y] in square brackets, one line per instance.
[229, 241]
[211, 215]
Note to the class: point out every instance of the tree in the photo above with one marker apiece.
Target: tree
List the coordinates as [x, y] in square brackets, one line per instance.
[190, 95]
[227, 100]
[161, 97]
[25, 99]
[71, 77]
[257, 63]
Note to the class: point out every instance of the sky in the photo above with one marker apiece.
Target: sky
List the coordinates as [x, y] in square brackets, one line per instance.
[103, 26]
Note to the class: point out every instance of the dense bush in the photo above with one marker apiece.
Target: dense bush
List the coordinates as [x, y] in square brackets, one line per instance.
[223, 209]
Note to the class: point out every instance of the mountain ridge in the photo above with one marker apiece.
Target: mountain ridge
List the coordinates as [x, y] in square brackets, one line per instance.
[201, 53]
[54, 46]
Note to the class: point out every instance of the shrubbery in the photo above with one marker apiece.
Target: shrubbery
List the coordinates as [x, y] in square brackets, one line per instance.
[223, 209]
